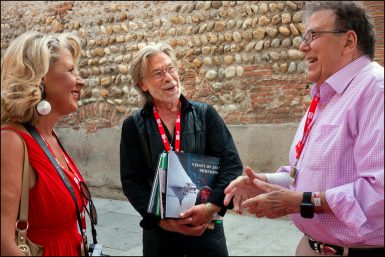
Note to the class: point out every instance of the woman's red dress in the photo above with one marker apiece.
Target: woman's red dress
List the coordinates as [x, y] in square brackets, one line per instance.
[52, 212]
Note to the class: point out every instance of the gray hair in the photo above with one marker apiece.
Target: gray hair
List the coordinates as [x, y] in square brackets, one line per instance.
[349, 16]
[139, 63]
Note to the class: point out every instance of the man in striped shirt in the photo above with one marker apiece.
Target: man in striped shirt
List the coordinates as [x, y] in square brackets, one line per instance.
[334, 186]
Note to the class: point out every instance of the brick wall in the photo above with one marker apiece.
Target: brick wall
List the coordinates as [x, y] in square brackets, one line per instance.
[376, 11]
[267, 85]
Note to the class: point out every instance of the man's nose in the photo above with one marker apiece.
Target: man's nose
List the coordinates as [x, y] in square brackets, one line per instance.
[303, 46]
[167, 76]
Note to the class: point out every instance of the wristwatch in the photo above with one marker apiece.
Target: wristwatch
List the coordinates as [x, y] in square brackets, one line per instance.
[307, 207]
[209, 208]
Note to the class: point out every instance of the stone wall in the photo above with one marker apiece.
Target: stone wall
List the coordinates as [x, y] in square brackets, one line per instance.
[240, 56]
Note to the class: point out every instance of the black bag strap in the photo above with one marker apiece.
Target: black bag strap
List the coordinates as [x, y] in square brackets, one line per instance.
[93, 230]
[55, 163]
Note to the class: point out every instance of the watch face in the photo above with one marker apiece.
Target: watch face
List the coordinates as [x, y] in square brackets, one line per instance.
[307, 210]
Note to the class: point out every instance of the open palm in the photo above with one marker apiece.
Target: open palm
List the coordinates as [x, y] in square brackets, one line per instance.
[243, 188]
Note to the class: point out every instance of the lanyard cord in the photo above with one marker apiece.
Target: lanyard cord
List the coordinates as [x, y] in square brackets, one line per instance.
[177, 136]
[308, 126]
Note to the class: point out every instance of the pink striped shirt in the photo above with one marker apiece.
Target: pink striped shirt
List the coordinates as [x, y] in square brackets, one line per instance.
[344, 156]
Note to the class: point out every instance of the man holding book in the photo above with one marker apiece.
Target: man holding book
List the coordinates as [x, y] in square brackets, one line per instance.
[169, 122]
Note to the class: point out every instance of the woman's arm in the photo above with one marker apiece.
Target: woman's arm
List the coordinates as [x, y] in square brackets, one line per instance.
[12, 155]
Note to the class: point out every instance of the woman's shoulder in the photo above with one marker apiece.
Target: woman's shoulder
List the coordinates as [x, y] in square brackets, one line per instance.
[13, 126]
[11, 137]
[12, 134]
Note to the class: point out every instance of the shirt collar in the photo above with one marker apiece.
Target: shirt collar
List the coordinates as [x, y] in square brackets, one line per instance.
[339, 81]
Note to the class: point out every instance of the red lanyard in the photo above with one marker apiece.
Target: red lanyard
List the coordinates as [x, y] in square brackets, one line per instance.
[308, 126]
[162, 133]
[72, 174]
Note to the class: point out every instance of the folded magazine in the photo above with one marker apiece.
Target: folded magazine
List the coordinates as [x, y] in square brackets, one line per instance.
[181, 181]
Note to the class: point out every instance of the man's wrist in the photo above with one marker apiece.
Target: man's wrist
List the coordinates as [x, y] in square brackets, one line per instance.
[316, 200]
[212, 208]
[296, 201]
[161, 223]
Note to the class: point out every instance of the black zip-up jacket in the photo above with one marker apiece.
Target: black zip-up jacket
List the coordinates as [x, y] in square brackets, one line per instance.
[202, 131]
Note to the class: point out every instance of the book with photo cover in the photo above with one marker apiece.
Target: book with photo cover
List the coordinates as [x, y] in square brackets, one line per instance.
[181, 181]
[189, 181]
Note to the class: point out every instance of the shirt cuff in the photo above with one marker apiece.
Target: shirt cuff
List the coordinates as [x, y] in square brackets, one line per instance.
[278, 178]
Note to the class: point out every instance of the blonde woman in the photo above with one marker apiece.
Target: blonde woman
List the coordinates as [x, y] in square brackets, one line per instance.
[40, 84]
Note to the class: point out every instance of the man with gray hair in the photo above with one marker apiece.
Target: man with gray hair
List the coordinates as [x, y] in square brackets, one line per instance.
[334, 186]
[170, 122]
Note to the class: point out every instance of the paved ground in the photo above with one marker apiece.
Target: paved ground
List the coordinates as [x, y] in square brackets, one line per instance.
[119, 232]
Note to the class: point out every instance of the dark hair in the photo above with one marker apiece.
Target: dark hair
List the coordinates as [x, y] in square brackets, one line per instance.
[199, 195]
[349, 16]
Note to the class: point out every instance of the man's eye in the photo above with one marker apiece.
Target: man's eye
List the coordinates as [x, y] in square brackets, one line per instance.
[157, 74]
[74, 71]
[171, 69]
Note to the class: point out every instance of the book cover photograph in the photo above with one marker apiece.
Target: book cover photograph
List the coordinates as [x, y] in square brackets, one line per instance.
[189, 180]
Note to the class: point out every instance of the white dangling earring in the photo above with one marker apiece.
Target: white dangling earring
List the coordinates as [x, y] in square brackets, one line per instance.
[43, 107]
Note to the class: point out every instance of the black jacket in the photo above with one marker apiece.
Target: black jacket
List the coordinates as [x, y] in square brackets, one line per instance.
[202, 131]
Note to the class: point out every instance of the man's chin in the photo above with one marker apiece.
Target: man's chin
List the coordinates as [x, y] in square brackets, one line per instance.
[175, 96]
[312, 77]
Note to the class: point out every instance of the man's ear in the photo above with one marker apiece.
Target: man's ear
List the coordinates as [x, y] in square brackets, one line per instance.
[143, 86]
[351, 42]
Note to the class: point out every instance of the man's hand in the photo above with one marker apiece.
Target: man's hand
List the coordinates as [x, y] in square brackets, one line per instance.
[182, 226]
[276, 202]
[243, 188]
[199, 214]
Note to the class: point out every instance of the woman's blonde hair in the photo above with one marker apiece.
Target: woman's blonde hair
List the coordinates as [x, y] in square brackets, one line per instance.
[139, 63]
[25, 62]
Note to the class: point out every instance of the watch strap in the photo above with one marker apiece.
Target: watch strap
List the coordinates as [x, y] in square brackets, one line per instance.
[307, 207]
[307, 197]
[209, 207]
